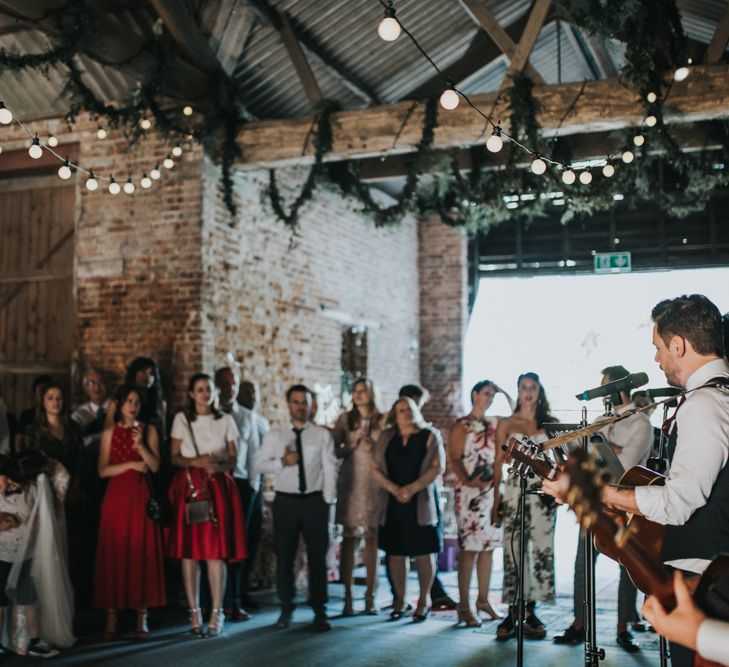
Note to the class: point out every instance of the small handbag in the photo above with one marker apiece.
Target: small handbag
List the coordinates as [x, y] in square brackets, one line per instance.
[198, 505]
[158, 508]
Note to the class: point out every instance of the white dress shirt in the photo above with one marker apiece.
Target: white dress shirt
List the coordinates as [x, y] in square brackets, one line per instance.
[633, 435]
[702, 450]
[248, 444]
[211, 435]
[712, 641]
[84, 415]
[320, 462]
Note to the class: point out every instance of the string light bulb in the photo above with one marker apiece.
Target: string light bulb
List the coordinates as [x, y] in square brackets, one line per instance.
[52, 141]
[35, 151]
[585, 177]
[91, 182]
[449, 100]
[146, 181]
[681, 73]
[539, 166]
[568, 177]
[495, 143]
[628, 157]
[651, 121]
[64, 171]
[638, 139]
[187, 110]
[168, 162]
[608, 171]
[145, 123]
[651, 97]
[114, 187]
[129, 186]
[155, 173]
[5, 116]
[101, 133]
[177, 151]
[389, 28]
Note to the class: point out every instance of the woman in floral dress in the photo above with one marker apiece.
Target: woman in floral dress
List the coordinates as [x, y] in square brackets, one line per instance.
[471, 452]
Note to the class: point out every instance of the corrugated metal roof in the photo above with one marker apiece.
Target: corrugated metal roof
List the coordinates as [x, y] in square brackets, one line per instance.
[347, 35]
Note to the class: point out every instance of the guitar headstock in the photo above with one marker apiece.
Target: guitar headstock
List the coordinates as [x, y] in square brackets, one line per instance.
[586, 482]
[524, 457]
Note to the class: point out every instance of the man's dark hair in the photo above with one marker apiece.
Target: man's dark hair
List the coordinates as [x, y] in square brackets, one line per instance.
[693, 317]
[414, 391]
[222, 370]
[297, 387]
[615, 372]
[725, 324]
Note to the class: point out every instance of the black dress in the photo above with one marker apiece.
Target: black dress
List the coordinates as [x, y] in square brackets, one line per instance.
[401, 535]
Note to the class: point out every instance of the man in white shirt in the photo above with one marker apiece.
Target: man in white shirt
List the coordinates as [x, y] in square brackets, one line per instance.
[689, 342]
[688, 625]
[247, 482]
[248, 397]
[631, 441]
[90, 415]
[301, 456]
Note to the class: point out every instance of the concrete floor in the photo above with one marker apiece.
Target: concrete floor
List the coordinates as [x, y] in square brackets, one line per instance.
[365, 641]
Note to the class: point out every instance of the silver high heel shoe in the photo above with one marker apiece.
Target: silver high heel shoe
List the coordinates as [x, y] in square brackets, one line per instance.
[216, 629]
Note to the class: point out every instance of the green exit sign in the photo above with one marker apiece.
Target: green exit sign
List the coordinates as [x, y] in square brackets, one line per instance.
[612, 262]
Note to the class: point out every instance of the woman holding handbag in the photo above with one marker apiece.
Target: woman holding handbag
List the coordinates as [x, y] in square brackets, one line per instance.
[129, 554]
[208, 520]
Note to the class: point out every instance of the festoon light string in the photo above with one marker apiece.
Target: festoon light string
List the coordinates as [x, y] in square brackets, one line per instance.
[390, 28]
[65, 171]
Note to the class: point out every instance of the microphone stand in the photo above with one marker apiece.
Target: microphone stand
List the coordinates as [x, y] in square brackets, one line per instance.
[520, 599]
[593, 654]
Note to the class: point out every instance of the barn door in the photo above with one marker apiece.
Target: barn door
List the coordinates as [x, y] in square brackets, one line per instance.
[37, 306]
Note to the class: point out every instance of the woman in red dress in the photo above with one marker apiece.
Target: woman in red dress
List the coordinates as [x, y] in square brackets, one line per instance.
[129, 556]
[203, 445]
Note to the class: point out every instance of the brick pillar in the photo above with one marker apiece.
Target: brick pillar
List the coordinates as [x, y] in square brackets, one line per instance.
[442, 268]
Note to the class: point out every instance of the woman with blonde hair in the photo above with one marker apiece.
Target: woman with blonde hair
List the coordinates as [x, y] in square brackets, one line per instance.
[355, 433]
[408, 458]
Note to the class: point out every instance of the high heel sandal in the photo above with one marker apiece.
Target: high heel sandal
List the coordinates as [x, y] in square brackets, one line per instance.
[194, 617]
[216, 629]
[142, 629]
[110, 630]
[486, 608]
[422, 616]
[467, 617]
[370, 606]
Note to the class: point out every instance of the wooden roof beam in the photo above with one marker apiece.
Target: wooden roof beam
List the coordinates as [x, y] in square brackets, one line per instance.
[484, 18]
[606, 104]
[528, 39]
[114, 46]
[719, 40]
[301, 64]
[270, 16]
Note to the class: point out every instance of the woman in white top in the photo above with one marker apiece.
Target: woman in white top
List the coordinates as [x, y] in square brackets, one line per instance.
[208, 521]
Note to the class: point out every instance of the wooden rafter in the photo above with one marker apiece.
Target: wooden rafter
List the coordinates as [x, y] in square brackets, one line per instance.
[484, 18]
[604, 105]
[268, 15]
[526, 44]
[301, 64]
[178, 19]
[114, 46]
[719, 40]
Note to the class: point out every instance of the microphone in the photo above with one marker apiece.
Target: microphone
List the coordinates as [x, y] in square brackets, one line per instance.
[614, 388]
[664, 391]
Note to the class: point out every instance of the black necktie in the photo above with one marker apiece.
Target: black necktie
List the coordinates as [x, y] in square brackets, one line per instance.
[300, 452]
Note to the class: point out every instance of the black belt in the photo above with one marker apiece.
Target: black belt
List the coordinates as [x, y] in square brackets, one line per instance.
[298, 495]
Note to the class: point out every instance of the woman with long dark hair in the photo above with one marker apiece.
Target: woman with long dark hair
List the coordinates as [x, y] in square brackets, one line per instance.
[408, 458]
[143, 373]
[129, 559]
[355, 433]
[531, 413]
[208, 522]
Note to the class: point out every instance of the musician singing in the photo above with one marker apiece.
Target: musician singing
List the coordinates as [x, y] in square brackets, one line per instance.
[688, 338]
[631, 440]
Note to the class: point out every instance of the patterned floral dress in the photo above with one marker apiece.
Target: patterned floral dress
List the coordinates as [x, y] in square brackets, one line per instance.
[473, 505]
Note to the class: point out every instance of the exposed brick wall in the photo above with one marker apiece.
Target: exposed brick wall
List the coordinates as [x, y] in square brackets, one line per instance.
[442, 264]
[262, 299]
